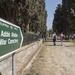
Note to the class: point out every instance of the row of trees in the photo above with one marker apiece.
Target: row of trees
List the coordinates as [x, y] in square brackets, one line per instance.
[30, 15]
[64, 17]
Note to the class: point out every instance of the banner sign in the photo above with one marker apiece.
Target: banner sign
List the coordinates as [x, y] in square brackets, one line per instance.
[11, 37]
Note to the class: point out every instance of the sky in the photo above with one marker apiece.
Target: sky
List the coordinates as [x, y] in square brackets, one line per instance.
[51, 7]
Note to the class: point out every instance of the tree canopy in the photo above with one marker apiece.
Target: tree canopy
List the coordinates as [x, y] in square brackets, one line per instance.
[28, 14]
[64, 17]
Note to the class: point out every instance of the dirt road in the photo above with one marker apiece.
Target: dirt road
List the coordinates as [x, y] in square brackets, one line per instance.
[54, 60]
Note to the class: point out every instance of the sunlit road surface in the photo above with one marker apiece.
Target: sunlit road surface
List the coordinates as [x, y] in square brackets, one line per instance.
[54, 60]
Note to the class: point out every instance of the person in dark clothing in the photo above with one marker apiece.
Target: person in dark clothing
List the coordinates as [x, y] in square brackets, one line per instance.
[54, 38]
[74, 38]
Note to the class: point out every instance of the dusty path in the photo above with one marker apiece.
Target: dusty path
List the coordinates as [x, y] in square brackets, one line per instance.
[54, 60]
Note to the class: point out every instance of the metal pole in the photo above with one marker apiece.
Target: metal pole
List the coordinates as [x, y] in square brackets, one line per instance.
[13, 64]
[0, 73]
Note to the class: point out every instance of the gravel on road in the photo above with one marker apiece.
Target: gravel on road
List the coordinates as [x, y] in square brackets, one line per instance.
[53, 60]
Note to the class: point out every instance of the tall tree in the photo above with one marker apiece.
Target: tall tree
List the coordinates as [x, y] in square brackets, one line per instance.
[64, 17]
[28, 14]
[58, 18]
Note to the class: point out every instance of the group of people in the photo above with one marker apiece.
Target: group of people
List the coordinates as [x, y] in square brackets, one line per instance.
[54, 36]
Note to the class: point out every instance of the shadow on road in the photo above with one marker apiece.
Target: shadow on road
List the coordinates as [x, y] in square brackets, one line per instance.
[66, 44]
[52, 45]
[69, 45]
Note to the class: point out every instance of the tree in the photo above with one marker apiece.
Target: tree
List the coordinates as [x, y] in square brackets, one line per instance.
[69, 8]
[64, 17]
[58, 20]
[28, 14]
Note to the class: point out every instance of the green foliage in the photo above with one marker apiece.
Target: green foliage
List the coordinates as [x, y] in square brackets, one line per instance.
[30, 15]
[64, 17]
[57, 22]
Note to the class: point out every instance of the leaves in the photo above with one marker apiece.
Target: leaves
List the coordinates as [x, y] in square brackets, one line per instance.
[25, 13]
[64, 17]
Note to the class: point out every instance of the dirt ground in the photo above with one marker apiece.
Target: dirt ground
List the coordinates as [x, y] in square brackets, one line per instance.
[54, 60]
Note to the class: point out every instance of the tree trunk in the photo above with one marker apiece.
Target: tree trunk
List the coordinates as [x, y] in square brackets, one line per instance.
[11, 16]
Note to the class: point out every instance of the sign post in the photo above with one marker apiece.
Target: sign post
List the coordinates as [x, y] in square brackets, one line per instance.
[11, 39]
[13, 64]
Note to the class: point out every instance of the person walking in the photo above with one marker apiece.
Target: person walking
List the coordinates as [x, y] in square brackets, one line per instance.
[61, 38]
[74, 38]
[54, 38]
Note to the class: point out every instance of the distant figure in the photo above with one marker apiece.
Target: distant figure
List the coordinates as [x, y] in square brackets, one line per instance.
[54, 38]
[74, 38]
[61, 38]
[44, 37]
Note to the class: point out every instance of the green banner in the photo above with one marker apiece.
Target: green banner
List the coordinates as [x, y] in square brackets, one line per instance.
[11, 37]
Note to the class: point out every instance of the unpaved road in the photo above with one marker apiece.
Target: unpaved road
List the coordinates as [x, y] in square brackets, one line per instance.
[54, 60]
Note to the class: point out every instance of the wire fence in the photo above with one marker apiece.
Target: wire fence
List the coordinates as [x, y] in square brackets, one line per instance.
[29, 38]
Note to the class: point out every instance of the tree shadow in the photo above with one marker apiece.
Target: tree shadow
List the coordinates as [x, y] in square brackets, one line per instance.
[69, 45]
[52, 45]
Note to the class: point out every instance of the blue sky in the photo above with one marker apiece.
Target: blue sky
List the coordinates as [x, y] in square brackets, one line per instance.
[51, 7]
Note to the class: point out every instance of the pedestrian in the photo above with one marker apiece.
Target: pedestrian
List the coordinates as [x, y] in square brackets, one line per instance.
[74, 38]
[54, 38]
[61, 38]
[44, 37]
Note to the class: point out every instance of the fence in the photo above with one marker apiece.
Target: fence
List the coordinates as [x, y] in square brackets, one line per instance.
[29, 38]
